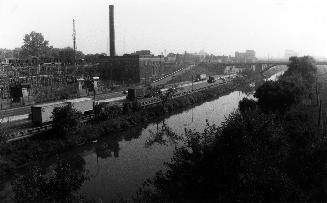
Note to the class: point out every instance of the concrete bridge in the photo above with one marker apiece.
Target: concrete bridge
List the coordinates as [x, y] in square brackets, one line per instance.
[259, 66]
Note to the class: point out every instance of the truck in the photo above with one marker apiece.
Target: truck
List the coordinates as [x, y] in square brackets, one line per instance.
[200, 77]
[83, 105]
[42, 113]
[136, 93]
[213, 78]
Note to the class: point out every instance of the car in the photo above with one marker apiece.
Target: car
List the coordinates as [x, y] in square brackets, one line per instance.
[125, 91]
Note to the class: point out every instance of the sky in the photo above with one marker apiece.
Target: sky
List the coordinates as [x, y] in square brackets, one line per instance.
[220, 27]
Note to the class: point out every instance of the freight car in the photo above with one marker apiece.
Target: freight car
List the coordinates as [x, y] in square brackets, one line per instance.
[42, 113]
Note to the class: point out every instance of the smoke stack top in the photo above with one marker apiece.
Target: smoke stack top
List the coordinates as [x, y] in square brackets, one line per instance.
[112, 30]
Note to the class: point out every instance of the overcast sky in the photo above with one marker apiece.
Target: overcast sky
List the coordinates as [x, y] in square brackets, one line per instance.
[216, 26]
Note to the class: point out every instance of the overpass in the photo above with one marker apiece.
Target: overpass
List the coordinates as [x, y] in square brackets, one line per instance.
[258, 66]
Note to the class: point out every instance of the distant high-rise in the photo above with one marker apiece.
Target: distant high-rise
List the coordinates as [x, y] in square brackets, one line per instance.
[112, 30]
[247, 56]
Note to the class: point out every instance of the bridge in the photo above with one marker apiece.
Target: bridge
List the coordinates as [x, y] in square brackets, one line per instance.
[258, 66]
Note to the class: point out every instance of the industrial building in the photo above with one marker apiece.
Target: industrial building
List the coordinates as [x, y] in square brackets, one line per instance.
[131, 68]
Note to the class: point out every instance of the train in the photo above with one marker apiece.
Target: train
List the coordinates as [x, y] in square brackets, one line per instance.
[42, 113]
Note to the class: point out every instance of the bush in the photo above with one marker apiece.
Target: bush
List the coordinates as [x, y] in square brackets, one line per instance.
[104, 112]
[66, 120]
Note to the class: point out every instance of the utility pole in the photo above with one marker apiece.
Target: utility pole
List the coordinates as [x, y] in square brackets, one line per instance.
[74, 42]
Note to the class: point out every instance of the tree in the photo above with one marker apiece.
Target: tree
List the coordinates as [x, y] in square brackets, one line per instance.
[34, 45]
[104, 112]
[278, 96]
[58, 185]
[17, 53]
[247, 105]
[166, 96]
[66, 120]
[3, 134]
[66, 55]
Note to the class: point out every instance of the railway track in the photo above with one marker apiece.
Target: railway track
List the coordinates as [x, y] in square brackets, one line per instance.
[29, 132]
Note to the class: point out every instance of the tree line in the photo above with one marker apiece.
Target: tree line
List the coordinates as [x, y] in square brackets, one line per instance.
[35, 45]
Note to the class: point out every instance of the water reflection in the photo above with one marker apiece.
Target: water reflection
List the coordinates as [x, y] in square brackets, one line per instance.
[163, 135]
[105, 149]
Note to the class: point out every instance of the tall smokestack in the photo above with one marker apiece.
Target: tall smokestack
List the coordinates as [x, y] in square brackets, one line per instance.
[112, 30]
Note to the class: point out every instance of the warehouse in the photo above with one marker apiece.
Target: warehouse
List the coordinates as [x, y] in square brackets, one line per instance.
[131, 68]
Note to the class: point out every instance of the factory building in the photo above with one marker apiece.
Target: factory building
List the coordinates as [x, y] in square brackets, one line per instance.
[131, 68]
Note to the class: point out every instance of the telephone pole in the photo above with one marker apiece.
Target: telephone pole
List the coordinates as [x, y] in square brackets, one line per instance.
[74, 41]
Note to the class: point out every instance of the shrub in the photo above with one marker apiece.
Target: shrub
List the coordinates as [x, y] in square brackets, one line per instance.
[66, 120]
